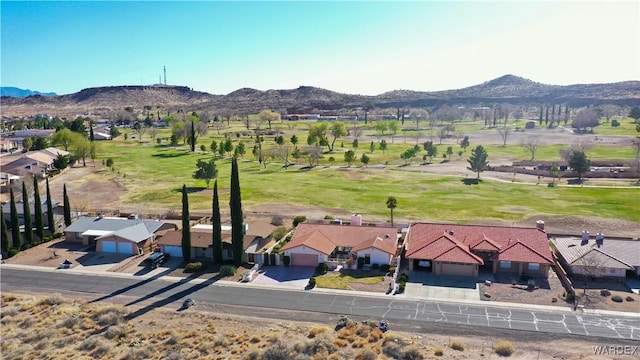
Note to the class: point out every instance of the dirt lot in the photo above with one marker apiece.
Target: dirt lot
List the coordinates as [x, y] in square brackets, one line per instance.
[50, 326]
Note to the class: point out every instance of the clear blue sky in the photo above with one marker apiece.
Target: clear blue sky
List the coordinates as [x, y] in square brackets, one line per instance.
[352, 47]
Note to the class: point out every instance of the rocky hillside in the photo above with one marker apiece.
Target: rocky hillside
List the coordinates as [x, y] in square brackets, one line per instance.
[505, 89]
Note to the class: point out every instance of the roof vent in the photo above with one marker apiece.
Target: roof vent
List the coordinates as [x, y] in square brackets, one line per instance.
[450, 232]
[386, 236]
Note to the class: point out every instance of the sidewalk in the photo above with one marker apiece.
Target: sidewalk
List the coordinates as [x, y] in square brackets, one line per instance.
[403, 296]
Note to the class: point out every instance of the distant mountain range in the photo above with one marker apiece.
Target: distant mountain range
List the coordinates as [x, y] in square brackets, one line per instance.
[505, 89]
[20, 93]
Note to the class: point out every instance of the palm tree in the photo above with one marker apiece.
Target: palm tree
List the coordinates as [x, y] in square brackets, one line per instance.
[392, 203]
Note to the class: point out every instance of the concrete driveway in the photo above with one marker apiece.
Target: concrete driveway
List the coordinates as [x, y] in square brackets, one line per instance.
[424, 285]
[287, 276]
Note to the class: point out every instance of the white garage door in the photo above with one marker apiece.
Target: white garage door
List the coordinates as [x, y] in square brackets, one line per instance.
[109, 246]
[174, 251]
[125, 248]
[304, 259]
[457, 269]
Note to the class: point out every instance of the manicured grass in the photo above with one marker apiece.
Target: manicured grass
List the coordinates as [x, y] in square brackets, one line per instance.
[337, 280]
[154, 175]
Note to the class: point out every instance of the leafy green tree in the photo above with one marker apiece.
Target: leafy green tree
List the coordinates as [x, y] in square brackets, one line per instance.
[383, 145]
[63, 137]
[318, 134]
[240, 150]
[61, 162]
[27, 144]
[28, 226]
[279, 140]
[372, 147]
[228, 145]
[66, 206]
[355, 143]
[365, 159]
[431, 150]
[464, 144]
[235, 204]
[40, 143]
[205, 170]
[349, 157]
[213, 146]
[478, 160]
[338, 129]
[38, 210]
[634, 113]
[294, 140]
[186, 226]
[82, 148]
[393, 126]
[91, 136]
[554, 172]
[217, 226]
[381, 127]
[449, 152]
[579, 163]
[50, 219]
[4, 242]
[15, 222]
[392, 203]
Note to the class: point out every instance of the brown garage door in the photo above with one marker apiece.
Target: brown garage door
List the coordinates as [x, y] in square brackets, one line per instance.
[457, 269]
[304, 259]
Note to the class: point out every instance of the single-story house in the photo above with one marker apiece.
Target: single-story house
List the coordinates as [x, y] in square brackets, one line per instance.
[256, 241]
[312, 244]
[31, 163]
[599, 257]
[450, 249]
[6, 210]
[116, 235]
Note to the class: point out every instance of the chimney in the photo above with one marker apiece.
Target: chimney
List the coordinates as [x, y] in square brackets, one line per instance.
[540, 225]
[599, 239]
[585, 237]
[356, 220]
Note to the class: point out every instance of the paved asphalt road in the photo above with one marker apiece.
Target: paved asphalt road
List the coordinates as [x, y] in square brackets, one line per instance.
[153, 292]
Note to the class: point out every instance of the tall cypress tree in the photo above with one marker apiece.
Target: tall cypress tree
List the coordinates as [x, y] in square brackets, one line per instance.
[193, 136]
[15, 223]
[235, 203]
[4, 242]
[28, 226]
[186, 228]
[50, 219]
[67, 206]
[217, 227]
[38, 210]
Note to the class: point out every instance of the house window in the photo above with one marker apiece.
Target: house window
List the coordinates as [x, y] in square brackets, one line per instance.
[367, 258]
[534, 267]
[505, 264]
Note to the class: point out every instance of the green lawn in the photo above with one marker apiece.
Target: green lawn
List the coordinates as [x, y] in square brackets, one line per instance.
[337, 280]
[154, 175]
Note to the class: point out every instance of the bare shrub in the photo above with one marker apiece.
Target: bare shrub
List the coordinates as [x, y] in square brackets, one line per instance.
[340, 343]
[392, 350]
[109, 315]
[457, 345]
[89, 344]
[276, 220]
[375, 335]
[366, 354]
[504, 348]
[313, 332]
[391, 336]
[254, 355]
[277, 351]
[438, 352]
[137, 353]
[173, 356]
[321, 343]
[28, 323]
[70, 321]
[220, 340]
[412, 353]
[115, 332]
[53, 299]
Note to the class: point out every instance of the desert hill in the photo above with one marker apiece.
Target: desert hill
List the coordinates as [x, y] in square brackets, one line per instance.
[505, 89]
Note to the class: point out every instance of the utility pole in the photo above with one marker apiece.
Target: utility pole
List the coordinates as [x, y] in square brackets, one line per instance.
[164, 68]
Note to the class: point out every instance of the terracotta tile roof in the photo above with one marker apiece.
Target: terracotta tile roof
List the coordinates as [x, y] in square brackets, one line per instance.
[521, 252]
[533, 242]
[444, 248]
[485, 244]
[388, 245]
[326, 237]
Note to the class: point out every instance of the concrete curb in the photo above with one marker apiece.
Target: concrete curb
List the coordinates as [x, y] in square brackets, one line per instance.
[493, 304]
